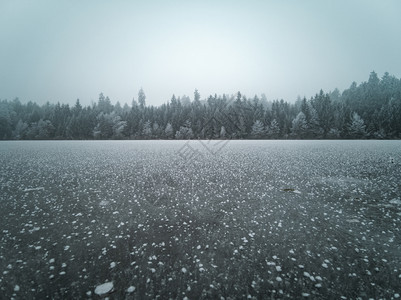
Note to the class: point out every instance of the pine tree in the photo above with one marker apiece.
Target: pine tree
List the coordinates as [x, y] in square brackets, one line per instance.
[185, 131]
[5, 120]
[45, 130]
[168, 131]
[258, 129]
[299, 126]
[357, 128]
[20, 130]
[77, 108]
[141, 98]
[196, 96]
[104, 104]
[324, 112]
[314, 129]
[118, 125]
[147, 129]
[274, 129]
[222, 132]
[156, 130]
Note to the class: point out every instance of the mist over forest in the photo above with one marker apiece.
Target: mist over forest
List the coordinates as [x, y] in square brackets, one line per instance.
[370, 110]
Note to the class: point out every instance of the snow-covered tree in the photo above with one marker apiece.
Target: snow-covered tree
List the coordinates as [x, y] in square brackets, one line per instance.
[241, 127]
[222, 132]
[273, 130]
[299, 125]
[104, 104]
[258, 129]
[5, 120]
[196, 96]
[41, 130]
[168, 131]
[379, 134]
[185, 131]
[357, 128]
[147, 129]
[141, 98]
[45, 129]
[103, 128]
[314, 129]
[108, 126]
[156, 130]
[333, 133]
[118, 125]
[324, 111]
[117, 108]
[20, 130]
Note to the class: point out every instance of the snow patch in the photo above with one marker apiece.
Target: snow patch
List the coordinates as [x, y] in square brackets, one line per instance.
[33, 189]
[104, 203]
[104, 288]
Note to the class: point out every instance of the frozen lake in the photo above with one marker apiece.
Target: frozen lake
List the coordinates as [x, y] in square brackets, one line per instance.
[176, 219]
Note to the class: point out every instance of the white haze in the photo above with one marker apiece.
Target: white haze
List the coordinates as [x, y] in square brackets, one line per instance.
[64, 50]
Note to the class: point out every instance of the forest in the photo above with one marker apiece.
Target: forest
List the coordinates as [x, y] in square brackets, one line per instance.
[370, 110]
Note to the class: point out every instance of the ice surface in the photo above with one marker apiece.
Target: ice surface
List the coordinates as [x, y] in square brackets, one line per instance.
[74, 214]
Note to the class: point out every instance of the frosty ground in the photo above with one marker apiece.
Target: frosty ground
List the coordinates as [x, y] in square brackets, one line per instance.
[165, 219]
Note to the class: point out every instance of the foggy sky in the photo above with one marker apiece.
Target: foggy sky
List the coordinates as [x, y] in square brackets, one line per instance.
[64, 50]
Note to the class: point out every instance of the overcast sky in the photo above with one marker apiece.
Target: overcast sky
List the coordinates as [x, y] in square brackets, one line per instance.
[64, 50]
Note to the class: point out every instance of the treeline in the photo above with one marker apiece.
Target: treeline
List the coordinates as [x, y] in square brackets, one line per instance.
[369, 110]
